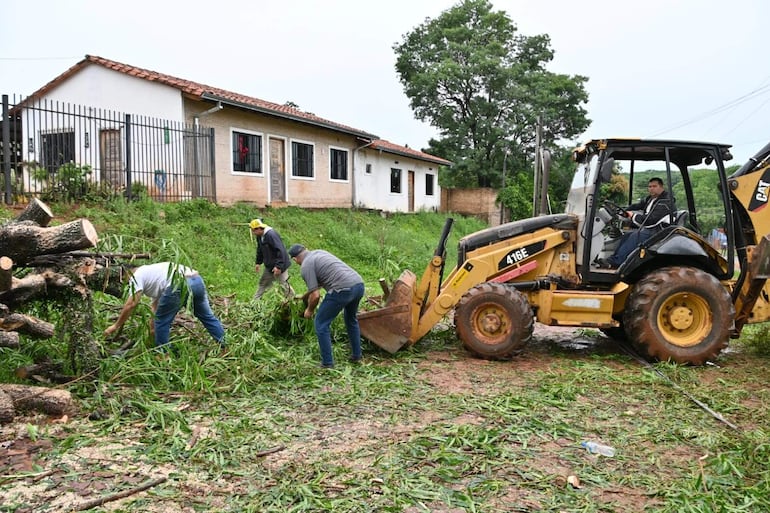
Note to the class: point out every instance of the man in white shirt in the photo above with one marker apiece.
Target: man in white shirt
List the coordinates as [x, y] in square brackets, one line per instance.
[167, 284]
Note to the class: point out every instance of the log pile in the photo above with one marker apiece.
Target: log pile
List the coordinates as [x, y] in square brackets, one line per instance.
[40, 262]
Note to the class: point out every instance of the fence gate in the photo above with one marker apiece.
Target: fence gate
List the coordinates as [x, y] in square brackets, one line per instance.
[61, 151]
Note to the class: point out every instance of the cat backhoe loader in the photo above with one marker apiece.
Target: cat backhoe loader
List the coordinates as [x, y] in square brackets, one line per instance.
[680, 295]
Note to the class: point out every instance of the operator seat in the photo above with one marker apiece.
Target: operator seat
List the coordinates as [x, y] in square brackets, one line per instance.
[681, 217]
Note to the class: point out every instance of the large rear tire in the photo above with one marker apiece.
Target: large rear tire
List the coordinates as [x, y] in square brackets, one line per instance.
[681, 314]
[494, 321]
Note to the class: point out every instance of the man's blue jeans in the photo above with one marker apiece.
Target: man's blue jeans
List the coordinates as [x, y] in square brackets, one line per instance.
[628, 243]
[333, 303]
[170, 303]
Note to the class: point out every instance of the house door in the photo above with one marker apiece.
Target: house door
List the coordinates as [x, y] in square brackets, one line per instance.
[111, 157]
[410, 190]
[277, 170]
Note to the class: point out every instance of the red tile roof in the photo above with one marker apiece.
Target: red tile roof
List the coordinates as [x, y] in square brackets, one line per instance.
[199, 91]
[389, 147]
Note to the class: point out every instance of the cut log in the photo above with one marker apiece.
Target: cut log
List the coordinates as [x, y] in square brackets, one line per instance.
[27, 325]
[37, 212]
[9, 339]
[24, 241]
[46, 400]
[7, 411]
[6, 274]
[34, 286]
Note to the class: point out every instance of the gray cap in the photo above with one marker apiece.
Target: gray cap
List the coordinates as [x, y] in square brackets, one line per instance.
[296, 249]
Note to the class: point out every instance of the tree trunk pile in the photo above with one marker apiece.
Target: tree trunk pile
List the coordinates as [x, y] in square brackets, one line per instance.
[39, 262]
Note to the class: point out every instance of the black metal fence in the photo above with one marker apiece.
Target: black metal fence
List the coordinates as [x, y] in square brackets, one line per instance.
[60, 151]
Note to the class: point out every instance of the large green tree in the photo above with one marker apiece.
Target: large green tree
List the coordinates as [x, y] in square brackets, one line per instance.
[482, 85]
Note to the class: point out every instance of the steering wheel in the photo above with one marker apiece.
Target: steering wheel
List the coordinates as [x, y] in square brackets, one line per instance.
[615, 210]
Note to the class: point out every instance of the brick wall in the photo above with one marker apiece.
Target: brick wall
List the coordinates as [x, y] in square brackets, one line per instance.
[478, 202]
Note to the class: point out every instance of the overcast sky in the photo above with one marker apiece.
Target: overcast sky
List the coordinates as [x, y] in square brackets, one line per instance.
[687, 69]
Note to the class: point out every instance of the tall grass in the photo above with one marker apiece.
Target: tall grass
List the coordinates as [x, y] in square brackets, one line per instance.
[262, 428]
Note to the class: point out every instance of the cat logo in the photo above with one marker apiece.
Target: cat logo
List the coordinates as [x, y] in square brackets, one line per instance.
[759, 200]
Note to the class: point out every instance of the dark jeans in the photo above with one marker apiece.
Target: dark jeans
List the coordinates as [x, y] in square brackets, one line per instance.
[170, 303]
[628, 243]
[333, 303]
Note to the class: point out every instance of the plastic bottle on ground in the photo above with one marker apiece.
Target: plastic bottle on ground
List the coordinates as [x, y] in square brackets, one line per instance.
[597, 448]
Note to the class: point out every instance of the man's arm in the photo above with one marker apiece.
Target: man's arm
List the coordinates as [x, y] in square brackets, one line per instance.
[125, 313]
[313, 296]
[660, 211]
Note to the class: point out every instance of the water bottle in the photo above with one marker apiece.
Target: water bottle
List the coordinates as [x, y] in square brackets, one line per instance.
[597, 448]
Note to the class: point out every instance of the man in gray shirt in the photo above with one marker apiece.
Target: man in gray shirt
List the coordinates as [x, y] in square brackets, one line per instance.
[344, 290]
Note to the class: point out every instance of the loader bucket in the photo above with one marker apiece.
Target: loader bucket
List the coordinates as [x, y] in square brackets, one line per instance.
[390, 326]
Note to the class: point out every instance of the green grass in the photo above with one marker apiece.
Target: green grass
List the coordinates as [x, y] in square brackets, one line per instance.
[427, 429]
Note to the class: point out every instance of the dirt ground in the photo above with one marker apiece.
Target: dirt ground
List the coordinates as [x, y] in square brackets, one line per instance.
[90, 472]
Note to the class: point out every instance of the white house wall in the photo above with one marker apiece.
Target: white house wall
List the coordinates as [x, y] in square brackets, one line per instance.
[102, 95]
[373, 189]
[104, 88]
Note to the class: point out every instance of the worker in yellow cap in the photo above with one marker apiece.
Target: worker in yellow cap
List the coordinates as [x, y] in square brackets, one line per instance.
[272, 254]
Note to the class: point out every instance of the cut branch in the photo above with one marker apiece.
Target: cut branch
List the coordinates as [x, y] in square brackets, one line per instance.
[120, 495]
[27, 325]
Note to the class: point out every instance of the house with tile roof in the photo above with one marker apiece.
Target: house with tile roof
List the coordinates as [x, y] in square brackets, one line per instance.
[261, 152]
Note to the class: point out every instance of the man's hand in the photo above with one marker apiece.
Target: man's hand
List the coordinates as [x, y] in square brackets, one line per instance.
[308, 314]
[256, 268]
[276, 271]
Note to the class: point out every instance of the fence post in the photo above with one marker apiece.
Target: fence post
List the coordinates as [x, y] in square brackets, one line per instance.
[213, 165]
[7, 152]
[128, 157]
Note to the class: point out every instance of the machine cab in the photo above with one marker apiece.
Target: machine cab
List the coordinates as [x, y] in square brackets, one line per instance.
[612, 175]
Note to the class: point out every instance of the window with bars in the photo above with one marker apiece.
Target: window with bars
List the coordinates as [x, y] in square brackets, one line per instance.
[395, 180]
[302, 159]
[338, 164]
[247, 152]
[57, 148]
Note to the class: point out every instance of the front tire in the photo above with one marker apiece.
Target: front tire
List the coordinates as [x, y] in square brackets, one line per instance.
[494, 321]
[681, 314]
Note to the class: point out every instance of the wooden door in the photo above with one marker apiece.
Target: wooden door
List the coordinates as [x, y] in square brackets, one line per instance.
[277, 170]
[111, 157]
[410, 190]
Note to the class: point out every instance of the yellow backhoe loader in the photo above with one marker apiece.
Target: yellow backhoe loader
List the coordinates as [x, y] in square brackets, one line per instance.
[680, 295]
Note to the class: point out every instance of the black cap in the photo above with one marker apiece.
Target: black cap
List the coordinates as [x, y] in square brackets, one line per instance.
[296, 249]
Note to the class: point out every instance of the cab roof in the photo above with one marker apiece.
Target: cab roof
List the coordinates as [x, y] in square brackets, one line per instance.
[684, 152]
